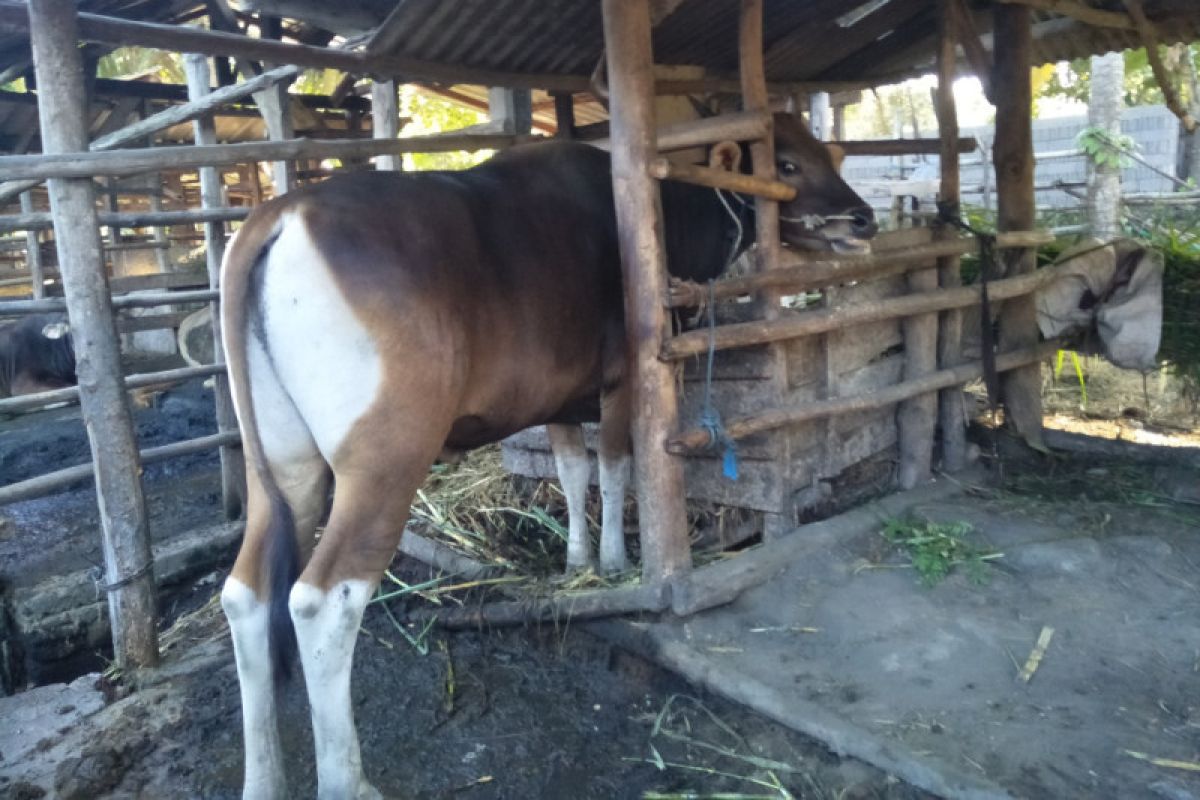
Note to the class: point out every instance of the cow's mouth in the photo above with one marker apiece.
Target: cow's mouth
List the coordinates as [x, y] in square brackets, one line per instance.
[851, 246]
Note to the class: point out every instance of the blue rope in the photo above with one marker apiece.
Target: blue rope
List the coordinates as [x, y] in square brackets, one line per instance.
[710, 417]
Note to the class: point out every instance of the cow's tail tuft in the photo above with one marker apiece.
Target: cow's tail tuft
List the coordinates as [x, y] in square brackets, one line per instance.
[280, 554]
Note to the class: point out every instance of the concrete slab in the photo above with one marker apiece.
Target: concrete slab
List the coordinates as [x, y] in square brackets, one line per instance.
[846, 645]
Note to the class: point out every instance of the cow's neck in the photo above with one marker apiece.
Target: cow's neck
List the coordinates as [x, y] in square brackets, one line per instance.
[703, 234]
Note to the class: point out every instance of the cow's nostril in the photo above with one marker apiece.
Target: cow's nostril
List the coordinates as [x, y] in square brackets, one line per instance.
[862, 222]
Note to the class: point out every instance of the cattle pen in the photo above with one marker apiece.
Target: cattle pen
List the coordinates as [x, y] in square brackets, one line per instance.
[826, 371]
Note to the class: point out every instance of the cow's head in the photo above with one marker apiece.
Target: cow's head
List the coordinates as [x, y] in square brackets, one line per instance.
[826, 214]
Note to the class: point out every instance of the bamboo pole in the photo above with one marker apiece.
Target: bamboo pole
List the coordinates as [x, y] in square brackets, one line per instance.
[666, 551]
[36, 221]
[175, 115]
[130, 162]
[1013, 155]
[803, 274]
[233, 464]
[33, 250]
[65, 478]
[768, 246]
[21, 404]
[738, 127]
[697, 439]
[747, 334]
[126, 540]
[951, 410]
[663, 169]
[18, 308]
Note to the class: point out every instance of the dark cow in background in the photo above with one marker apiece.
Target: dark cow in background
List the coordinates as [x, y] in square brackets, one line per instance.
[36, 355]
[376, 319]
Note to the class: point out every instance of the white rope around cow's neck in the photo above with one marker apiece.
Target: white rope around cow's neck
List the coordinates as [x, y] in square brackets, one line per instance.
[811, 222]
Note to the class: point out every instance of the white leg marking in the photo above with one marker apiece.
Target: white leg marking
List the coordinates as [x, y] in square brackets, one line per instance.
[571, 461]
[326, 361]
[248, 624]
[614, 479]
[326, 629]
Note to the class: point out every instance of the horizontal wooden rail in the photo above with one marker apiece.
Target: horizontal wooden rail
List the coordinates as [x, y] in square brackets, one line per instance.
[70, 394]
[698, 439]
[902, 147]
[180, 157]
[664, 169]
[808, 273]
[794, 326]
[17, 308]
[136, 219]
[65, 478]
[743, 126]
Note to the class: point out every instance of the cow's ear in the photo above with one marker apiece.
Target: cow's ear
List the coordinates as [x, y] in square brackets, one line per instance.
[837, 154]
[725, 155]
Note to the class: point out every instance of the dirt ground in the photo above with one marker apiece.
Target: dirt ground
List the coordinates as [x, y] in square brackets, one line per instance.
[1106, 553]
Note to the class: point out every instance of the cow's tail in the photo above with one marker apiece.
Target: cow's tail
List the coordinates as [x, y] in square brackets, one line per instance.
[280, 556]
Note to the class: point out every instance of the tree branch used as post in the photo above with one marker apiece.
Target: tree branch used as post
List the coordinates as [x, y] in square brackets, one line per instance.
[1149, 36]
[385, 121]
[666, 551]
[1013, 157]
[951, 408]
[233, 464]
[128, 562]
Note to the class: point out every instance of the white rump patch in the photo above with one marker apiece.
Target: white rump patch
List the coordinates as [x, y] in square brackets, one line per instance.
[326, 362]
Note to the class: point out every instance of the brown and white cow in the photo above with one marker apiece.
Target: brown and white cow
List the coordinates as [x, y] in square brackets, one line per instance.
[376, 319]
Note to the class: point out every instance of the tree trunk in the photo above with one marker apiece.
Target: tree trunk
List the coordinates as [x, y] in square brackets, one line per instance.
[1104, 112]
[1192, 140]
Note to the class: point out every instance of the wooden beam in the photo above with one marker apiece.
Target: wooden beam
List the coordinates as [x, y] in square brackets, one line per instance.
[128, 562]
[1150, 38]
[131, 162]
[41, 220]
[967, 34]
[1078, 11]
[952, 418]
[662, 521]
[665, 169]
[748, 334]
[233, 464]
[186, 39]
[1014, 160]
[739, 127]
[70, 394]
[951, 378]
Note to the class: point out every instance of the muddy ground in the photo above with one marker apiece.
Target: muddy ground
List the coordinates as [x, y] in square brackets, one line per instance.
[551, 712]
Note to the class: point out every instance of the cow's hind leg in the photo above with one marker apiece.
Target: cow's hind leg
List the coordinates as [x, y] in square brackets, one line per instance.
[574, 471]
[615, 460]
[246, 597]
[370, 507]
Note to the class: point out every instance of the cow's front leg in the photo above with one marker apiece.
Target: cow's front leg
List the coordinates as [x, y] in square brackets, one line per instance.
[571, 460]
[615, 461]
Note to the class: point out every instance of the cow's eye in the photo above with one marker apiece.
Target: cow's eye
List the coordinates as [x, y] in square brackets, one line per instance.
[788, 167]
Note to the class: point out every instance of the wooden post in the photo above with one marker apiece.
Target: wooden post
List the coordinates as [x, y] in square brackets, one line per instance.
[512, 108]
[33, 251]
[233, 464]
[564, 115]
[1013, 156]
[276, 109]
[128, 561]
[769, 248]
[385, 121]
[951, 410]
[666, 551]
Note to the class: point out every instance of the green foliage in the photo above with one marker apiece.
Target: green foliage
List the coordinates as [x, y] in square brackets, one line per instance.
[935, 548]
[432, 114]
[1179, 242]
[1073, 82]
[317, 81]
[137, 62]
[1106, 149]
